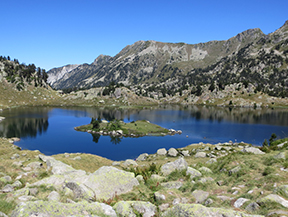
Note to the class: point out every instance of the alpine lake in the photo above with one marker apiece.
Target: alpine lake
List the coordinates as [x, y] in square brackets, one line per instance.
[51, 129]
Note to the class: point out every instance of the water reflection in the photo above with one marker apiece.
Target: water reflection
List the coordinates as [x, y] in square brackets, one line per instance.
[22, 124]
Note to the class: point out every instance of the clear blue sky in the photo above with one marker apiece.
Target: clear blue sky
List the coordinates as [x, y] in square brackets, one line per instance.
[53, 33]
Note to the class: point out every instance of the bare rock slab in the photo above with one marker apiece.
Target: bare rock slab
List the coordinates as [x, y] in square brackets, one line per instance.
[109, 181]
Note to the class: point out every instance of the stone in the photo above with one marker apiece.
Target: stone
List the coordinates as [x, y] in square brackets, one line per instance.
[282, 144]
[54, 208]
[172, 152]
[126, 208]
[252, 207]
[252, 150]
[200, 154]
[15, 156]
[273, 198]
[176, 201]
[209, 201]
[239, 202]
[185, 153]
[53, 196]
[162, 151]
[1, 213]
[35, 165]
[129, 162]
[205, 170]
[181, 210]
[7, 188]
[179, 164]
[172, 185]
[33, 191]
[159, 197]
[17, 184]
[206, 179]
[200, 195]
[80, 191]
[281, 155]
[281, 213]
[140, 178]
[164, 207]
[25, 198]
[234, 170]
[116, 163]
[5, 179]
[108, 181]
[77, 158]
[142, 157]
[193, 172]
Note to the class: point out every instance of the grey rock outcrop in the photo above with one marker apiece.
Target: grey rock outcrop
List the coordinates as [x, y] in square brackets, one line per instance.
[200, 196]
[252, 150]
[193, 172]
[142, 157]
[162, 151]
[274, 199]
[172, 152]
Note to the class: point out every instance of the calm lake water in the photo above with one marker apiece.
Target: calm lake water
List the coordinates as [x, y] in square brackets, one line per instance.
[51, 130]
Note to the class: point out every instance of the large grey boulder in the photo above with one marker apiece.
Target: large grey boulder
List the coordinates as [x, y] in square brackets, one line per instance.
[53, 208]
[239, 202]
[274, 199]
[127, 208]
[179, 164]
[80, 191]
[142, 157]
[183, 210]
[200, 154]
[109, 181]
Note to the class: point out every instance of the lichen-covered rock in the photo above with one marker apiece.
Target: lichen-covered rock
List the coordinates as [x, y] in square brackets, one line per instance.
[80, 191]
[185, 210]
[109, 181]
[205, 170]
[129, 162]
[273, 198]
[179, 164]
[252, 207]
[52, 208]
[158, 196]
[193, 172]
[126, 208]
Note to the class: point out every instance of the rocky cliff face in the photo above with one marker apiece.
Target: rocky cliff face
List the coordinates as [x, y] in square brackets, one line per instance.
[145, 62]
[56, 74]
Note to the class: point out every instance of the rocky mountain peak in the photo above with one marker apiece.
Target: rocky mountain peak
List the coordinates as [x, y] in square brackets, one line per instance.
[101, 59]
[249, 34]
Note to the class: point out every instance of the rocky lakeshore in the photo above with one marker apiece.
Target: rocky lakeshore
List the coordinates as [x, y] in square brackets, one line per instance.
[228, 179]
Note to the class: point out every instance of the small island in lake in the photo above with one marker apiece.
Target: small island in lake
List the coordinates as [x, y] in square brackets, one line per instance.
[120, 128]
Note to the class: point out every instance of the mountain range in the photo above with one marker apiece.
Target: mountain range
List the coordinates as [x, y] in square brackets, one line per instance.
[249, 57]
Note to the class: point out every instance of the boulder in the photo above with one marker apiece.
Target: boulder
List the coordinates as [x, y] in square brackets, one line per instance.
[129, 162]
[53, 208]
[172, 152]
[108, 181]
[158, 196]
[142, 157]
[80, 191]
[193, 172]
[7, 188]
[239, 202]
[179, 164]
[128, 208]
[1, 213]
[252, 150]
[252, 207]
[274, 199]
[200, 195]
[5, 179]
[181, 210]
[162, 151]
[35, 165]
[185, 153]
[200, 154]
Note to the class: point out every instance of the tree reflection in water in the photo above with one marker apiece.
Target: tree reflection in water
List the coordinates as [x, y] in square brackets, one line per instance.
[115, 140]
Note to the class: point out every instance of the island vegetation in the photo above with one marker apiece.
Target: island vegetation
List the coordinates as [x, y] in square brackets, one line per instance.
[120, 128]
